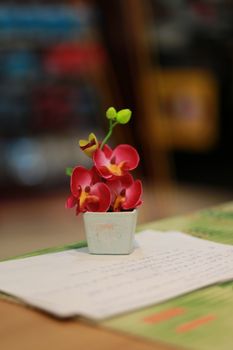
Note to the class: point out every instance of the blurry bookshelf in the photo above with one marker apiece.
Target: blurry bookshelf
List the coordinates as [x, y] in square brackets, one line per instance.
[182, 53]
[52, 88]
[191, 41]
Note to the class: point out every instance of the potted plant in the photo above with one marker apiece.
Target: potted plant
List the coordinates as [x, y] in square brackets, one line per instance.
[107, 194]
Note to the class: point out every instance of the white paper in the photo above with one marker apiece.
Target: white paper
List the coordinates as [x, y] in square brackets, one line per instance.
[163, 266]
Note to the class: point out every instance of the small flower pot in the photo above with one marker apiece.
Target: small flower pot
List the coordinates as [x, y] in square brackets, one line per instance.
[110, 232]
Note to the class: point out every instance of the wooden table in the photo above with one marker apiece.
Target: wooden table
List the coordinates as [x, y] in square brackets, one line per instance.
[22, 328]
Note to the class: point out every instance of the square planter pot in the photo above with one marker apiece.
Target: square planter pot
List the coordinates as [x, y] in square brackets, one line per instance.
[110, 233]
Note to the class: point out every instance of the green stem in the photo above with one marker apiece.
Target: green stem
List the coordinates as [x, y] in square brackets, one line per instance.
[107, 137]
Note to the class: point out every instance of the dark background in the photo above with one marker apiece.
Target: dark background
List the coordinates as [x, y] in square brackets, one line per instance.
[62, 64]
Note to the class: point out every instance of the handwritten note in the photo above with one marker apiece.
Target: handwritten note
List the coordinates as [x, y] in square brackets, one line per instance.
[163, 266]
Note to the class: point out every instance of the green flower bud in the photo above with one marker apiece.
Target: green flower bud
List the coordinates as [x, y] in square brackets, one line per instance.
[123, 116]
[111, 113]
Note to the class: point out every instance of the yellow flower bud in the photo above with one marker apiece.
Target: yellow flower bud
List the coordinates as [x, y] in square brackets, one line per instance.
[89, 146]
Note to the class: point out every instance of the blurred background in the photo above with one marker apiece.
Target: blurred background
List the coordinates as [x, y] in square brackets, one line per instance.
[63, 63]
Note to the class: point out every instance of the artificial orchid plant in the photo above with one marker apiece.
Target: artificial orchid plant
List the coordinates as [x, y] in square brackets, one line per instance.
[108, 186]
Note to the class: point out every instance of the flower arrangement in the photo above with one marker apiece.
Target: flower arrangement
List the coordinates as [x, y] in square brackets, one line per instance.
[108, 186]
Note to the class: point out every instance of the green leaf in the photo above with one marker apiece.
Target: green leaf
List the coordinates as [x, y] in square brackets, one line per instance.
[123, 116]
[69, 171]
[111, 113]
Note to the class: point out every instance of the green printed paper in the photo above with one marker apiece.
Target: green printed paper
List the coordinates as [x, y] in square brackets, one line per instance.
[202, 319]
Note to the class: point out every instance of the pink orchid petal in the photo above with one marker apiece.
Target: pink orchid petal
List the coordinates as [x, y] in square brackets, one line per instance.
[93, 207]
[81, 177]
[102, 192]
[138, 203]
[127, 154]
[115, 188]
[114, 185]
[71, 202]
[105, 172]
[126, 180]
[100, 159]
[133, 195]
[95, 175]
[107, 151]
[118, 184]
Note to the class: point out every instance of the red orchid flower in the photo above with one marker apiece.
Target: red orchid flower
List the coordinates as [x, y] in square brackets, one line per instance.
[125, 192]
[117, 162]
[87, 193]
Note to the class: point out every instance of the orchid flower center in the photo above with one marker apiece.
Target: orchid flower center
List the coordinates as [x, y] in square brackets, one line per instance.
[116, 169]
[113, 160]
[122, 193]
[119, 200]
[87, 189]
[85, 197]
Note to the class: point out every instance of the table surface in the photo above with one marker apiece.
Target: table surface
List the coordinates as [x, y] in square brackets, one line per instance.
[25, 328]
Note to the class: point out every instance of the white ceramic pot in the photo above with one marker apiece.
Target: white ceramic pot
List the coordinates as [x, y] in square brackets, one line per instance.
[111, 232]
